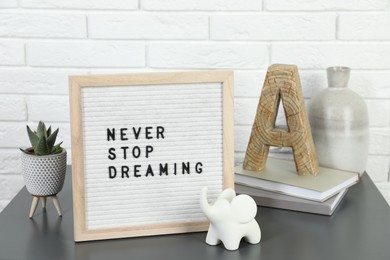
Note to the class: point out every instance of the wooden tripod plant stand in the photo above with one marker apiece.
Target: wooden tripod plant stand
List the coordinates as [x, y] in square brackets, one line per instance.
[35, 202]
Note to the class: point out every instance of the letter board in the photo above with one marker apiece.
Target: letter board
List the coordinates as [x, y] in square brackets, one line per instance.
[143, 146]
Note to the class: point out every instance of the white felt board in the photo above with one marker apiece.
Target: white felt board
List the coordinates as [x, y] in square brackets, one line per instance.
[143, 147]
[191, 117]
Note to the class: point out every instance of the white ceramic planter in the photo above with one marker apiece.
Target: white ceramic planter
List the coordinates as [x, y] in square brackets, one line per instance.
[44, 175]
[339, 124]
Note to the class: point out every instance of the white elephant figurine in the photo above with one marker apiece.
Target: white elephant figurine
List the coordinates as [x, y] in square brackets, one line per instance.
[231, 218]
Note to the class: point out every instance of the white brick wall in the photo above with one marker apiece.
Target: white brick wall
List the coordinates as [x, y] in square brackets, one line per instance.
[8, 3]
[271, 26]
[207, 55]
[42, 25]
[358, 55]
[84, 4]
[201, 5]
[361, 26]
[13, 108]
[326, 5]
[11, 52]
[44, 41]
[88, 54]
[148, 26]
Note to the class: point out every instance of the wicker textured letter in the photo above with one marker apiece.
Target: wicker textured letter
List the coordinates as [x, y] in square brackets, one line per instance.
[282, 83]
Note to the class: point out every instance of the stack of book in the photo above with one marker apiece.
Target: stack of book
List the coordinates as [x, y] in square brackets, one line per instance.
[278, 186]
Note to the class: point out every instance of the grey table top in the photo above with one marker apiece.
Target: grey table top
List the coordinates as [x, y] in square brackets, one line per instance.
[359, 229]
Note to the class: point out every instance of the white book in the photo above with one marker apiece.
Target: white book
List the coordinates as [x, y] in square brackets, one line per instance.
[277, 200]
[280, 176]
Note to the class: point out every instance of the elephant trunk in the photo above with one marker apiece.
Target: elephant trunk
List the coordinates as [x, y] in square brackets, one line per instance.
[205, 206]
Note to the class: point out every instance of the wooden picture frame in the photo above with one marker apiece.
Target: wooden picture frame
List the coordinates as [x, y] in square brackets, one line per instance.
[87, 99]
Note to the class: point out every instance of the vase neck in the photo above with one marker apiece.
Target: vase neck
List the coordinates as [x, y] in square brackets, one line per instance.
[338, 77]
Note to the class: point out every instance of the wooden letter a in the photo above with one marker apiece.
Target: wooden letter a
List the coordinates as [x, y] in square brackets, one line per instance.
[282, 83]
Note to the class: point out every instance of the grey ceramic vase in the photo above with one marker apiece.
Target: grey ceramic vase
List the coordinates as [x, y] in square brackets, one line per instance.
[339, 124]
[44, 175]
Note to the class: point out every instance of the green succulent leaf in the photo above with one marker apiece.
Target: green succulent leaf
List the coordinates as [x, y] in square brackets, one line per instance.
[41, 130]
[43, 140]
[51, 139]
[32, 136]
[26, 152]
[48, 131]
[40, 126]
[42, 147]
[57, 148]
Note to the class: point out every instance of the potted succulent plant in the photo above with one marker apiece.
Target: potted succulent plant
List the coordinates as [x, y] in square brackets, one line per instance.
[43, 166]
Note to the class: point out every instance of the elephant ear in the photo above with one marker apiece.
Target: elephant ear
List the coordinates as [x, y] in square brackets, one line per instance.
[227, 194]
[244, 208]
[222, 206]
